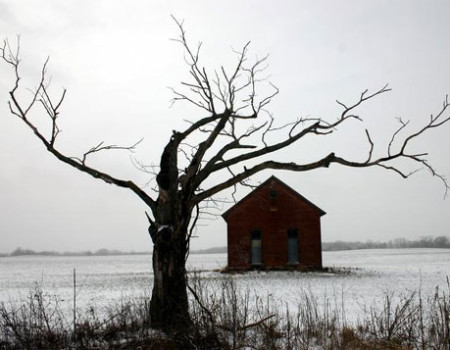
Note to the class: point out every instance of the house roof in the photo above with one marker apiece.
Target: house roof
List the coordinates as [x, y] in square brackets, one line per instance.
[273, 178]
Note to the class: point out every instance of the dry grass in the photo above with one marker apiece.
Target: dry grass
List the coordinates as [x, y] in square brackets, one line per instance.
[230, 318]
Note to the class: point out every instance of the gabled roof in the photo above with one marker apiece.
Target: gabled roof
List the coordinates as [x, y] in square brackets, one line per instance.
[290, 189]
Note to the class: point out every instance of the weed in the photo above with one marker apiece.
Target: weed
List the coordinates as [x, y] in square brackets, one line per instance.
[230, 317]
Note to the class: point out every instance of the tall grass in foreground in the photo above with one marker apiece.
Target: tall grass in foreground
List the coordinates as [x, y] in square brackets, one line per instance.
[230, 318]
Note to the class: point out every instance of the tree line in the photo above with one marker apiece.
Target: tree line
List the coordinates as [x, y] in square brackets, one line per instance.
[423, 242]
[99, 252]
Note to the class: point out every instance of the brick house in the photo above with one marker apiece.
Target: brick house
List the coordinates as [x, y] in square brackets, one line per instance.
[274, 227]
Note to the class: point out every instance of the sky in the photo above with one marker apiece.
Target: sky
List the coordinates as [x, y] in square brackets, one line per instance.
[117, 61]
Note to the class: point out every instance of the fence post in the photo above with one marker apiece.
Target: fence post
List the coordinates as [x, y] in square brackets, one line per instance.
[74, 301]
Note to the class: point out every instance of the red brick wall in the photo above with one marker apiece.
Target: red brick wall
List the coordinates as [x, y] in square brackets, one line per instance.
[274, 217]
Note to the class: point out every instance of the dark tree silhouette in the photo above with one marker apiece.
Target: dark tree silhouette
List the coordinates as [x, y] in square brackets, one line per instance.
[222, 149]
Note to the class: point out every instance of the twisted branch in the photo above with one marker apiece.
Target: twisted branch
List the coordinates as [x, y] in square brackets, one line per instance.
[51, 107]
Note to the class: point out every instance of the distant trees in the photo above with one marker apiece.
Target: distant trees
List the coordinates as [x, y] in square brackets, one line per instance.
[23, 252]
[441, 242]
[99, 252]
[423, 242]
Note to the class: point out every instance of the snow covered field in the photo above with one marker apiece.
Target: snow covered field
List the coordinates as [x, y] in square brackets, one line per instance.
[101, 280]
[372, 275]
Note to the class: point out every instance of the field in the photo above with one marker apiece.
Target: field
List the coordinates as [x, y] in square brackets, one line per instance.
[365, 277]
[368, 299]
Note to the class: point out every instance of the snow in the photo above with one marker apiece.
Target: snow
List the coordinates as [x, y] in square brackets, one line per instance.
[366, 277]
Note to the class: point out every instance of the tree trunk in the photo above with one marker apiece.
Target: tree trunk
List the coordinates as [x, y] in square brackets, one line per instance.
[169, 307]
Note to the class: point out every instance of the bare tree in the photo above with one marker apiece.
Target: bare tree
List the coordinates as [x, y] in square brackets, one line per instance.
[215, 152]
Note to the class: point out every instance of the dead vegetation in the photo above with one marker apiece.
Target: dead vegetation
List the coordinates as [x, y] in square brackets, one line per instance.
[231, 318]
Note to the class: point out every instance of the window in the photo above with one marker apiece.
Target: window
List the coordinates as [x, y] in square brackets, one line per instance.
[292, 246]
[256, 245]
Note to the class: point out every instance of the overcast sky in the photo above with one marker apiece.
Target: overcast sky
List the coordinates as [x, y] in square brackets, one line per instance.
[117, 61]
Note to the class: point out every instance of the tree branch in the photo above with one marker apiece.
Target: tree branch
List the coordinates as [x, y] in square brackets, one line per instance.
[384, 162]
[100, 148]
[52, 110]
[318, 127]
